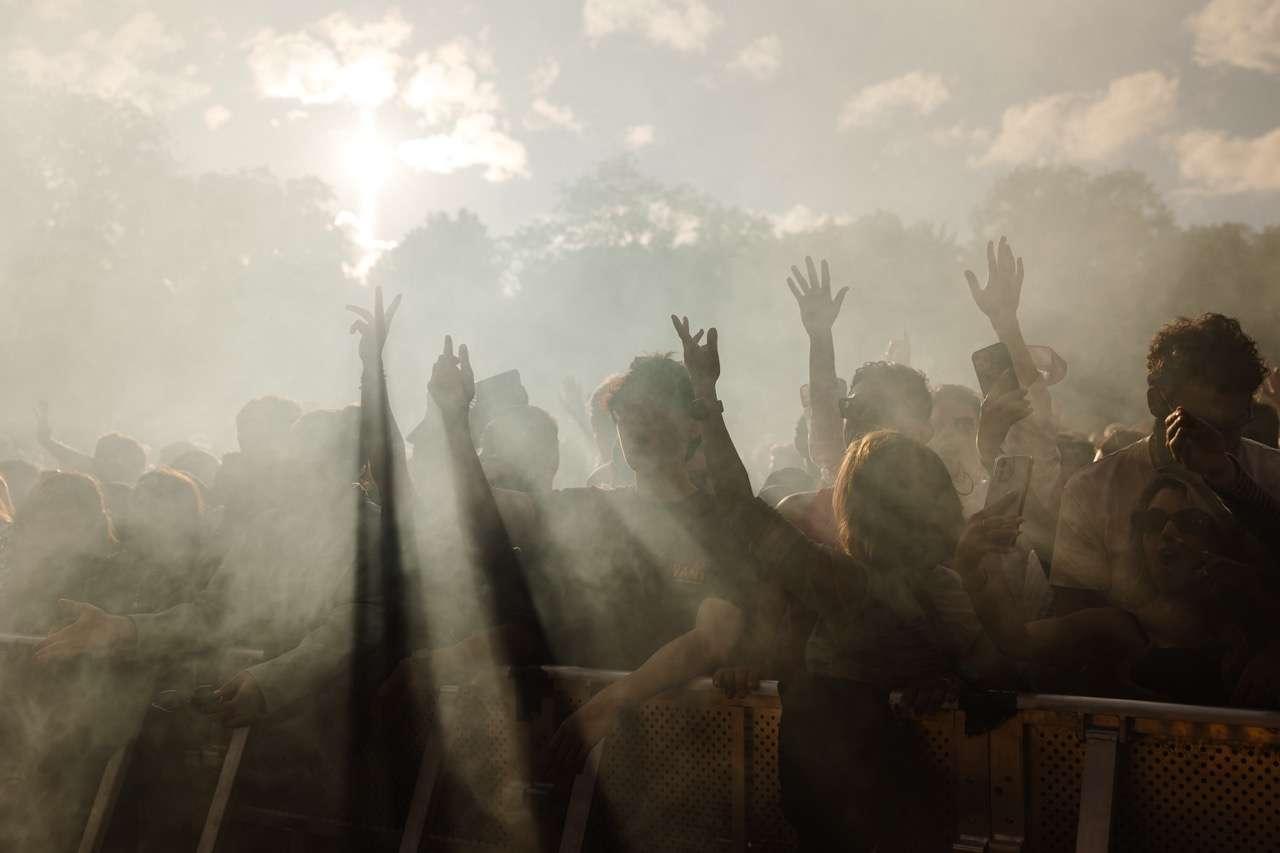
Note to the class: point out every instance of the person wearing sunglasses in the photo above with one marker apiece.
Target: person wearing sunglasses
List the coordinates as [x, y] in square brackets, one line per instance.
[1201, 378]
[1200, 620]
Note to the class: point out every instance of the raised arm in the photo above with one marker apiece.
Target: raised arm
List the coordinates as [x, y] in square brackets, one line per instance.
[728, 475]
[818, 312]
[67, 456]
[382, 443]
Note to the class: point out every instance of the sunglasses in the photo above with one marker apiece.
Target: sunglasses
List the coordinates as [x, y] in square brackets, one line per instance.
[1193, 522]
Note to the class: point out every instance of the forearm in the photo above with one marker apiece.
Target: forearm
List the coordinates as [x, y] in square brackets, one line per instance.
[834, 588]
[477, 506]
[728, 475]
[67, 456]
[826, 427]
[677, 663]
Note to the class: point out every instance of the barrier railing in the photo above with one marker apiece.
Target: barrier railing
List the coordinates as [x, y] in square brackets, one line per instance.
[693, 770]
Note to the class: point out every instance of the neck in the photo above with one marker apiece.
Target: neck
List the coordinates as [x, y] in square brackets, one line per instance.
[665, 484]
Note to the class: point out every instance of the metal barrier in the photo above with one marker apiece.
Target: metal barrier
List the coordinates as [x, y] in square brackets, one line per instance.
[692, 770]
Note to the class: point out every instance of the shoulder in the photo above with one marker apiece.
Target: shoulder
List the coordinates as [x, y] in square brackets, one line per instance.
[1134, 460]
[799, 505]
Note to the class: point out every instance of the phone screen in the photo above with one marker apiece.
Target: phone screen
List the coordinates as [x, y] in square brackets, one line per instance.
[990, 363]
[1012, 475]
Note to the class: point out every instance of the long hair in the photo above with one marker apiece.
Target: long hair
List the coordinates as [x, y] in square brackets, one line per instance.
[895, 505]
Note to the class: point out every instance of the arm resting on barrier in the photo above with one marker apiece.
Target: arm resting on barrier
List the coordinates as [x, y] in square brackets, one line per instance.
[719, 626]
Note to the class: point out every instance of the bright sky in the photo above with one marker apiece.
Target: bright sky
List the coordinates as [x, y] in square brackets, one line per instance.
[798, 110]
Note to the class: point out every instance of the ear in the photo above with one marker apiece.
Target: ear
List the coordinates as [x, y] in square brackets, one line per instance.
[1157, 404]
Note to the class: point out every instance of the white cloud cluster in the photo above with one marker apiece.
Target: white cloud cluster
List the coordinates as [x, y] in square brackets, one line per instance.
[1218, 163]
[760, 59]
[638, 136]
[333, 61]
[800, 219]
[1084, 127]
[1242, 33]
[122, 65]
[450, 82]
[545, 114]
[451, 90]
[475, 140]
[918, 92]
[684, 25]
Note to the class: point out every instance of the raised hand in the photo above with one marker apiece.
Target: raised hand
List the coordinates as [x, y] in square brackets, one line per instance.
[1004, 406]
[999, 299]
[701, 360]
[94, 631]
[990, 531]
[373, 326]
[818, 308]
[1199, 446]
[452, 385]
[241, 701]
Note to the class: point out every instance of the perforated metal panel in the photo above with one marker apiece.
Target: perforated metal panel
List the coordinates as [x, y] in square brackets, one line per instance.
[480, 795]
[666, 781]
[1196, 795]
[1057, 755]
[767, 827]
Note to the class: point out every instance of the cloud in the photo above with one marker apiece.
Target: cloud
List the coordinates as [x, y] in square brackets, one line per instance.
[216, 116]
[544, 77]
[916, 91]
[1221, 164]
[638, 136]
[120, 66]
[1084, 127]
[799, 219]
[332, 61]
[475, 140]
[760, 59]
[1242, 33]
[684, 25]
[448, 83]
[543, 113]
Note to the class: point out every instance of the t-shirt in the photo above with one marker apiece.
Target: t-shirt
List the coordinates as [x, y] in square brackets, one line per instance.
[917, 627]
[1092, 550]
[621, 575]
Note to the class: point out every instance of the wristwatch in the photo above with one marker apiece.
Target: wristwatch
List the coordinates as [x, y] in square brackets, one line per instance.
[701, 409]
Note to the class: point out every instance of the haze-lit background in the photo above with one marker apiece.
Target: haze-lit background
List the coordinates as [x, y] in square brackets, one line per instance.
[192, 192]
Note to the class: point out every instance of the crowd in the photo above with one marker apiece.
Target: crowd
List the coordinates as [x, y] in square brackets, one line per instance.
[919, 539]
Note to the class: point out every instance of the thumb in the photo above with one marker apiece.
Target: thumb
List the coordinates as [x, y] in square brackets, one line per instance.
[72, 607]
[973, 284]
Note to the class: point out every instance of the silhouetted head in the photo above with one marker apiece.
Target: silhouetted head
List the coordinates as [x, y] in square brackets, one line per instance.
[200, 464]
[118, 459]
[651, 408]
[894, 503]
[324, 451]
[64, 514]
[520, 450]
[166, 508]
[886, 396]
[1210, 368]
[954, 420]
[262, 428]
[21, 476]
